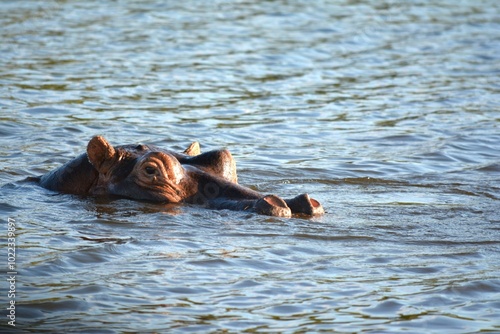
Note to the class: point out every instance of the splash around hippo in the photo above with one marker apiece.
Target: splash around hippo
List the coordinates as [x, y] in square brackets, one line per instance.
[149, 173]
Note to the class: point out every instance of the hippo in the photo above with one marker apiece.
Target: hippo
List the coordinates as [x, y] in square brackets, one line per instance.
[148, 173]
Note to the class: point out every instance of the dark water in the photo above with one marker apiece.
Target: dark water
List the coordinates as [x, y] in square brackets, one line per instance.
[387, 112]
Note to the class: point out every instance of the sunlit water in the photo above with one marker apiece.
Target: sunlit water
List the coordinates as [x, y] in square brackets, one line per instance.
[388, 112]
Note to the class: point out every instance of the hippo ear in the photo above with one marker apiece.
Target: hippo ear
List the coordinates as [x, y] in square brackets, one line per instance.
[99, 152]
[193, 149]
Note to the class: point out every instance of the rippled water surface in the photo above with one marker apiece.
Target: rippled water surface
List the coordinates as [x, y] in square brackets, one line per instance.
[388, 112]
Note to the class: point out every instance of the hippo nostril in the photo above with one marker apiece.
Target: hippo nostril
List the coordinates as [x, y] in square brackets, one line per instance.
[315, 203]
[141, 147]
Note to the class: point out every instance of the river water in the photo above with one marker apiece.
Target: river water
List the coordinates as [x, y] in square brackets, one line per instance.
[388, 112]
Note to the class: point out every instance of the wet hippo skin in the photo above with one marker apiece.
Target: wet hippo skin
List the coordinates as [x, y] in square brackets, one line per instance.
[149, 173]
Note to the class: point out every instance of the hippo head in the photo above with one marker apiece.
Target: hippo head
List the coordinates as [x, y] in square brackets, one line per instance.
[139, 172]
[149, 173]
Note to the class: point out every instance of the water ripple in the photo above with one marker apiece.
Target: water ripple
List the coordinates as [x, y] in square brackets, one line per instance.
[386, 112]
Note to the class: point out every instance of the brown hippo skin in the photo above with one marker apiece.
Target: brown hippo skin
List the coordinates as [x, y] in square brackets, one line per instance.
[145, 172]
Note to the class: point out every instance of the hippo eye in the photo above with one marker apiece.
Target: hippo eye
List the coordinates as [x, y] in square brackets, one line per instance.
[150, 170]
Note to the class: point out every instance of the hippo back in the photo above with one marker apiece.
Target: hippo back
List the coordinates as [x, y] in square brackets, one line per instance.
[75, 177]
